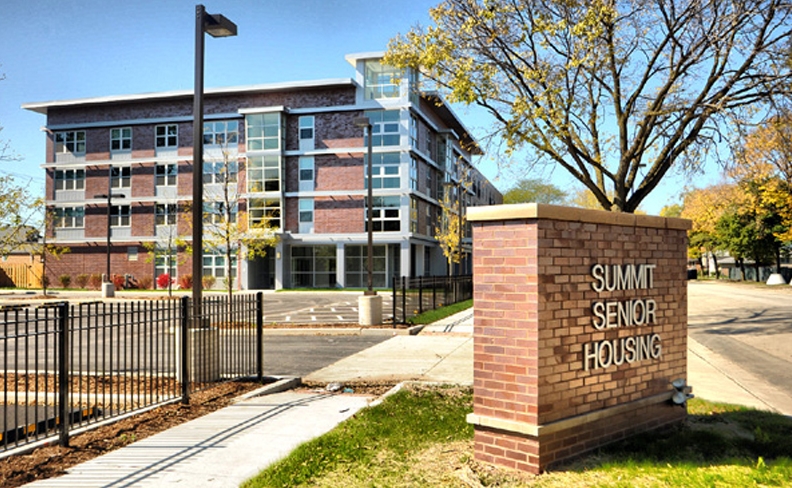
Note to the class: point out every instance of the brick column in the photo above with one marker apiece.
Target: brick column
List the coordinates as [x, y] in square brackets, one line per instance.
[562, 365]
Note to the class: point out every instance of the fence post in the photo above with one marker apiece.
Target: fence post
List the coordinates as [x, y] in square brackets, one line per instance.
[63, 373]
[260, 336]
[184, 315]
[394, 284]
[420, 294]
[404, 299]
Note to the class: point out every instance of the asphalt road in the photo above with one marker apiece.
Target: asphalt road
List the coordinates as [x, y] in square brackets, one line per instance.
[303, 354]
[750, 326]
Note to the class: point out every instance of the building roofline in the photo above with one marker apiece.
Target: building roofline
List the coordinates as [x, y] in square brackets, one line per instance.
[43, 107]
[448, 115]
[354, 57]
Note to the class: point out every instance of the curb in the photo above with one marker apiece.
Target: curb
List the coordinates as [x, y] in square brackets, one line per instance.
[414, 330]
[282, 384]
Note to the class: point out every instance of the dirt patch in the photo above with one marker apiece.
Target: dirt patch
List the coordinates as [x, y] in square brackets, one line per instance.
[50, 461]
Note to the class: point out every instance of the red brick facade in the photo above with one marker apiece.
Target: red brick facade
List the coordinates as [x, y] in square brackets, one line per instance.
[546, 388]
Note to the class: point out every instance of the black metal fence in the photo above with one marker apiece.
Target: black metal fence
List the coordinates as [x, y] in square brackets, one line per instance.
[414, 296]
[67, 366]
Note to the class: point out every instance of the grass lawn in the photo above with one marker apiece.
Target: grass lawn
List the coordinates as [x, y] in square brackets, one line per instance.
[419, 437]
[440, 313]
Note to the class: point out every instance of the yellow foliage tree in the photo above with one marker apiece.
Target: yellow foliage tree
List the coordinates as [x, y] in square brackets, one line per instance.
[603, 88]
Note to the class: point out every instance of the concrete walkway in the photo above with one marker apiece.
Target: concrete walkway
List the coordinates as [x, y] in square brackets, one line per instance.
[231, 445]
[222, 449]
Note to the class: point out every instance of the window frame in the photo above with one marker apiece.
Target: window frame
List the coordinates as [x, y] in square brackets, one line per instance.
[165, 214]
[261, 208]
[168, 173]
[263, 173]
[64, 182]
[383, 217]
[121, 139]
[120, 216]
[216, 170]
[219, 133]
[120, 177]
[69, 217]
[259, 132]
[385, 128]
[166, 140]
[75, 138]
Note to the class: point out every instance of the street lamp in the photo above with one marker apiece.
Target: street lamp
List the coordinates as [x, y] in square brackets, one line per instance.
[365, 123]
[109, 196]
[216, 26]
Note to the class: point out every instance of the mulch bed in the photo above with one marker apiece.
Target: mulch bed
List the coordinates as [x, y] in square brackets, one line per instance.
[53, 460]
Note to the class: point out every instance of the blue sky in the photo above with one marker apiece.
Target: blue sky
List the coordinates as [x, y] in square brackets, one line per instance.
[55, 50]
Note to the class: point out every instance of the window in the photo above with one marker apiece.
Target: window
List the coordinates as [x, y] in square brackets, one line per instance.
[306, 127]
[165, 174]
[165, 214]
[306, 210]
[121, 139]
[219, 213]
[263, 173]
[385, 172]
[70, 142]
[429, 221]
[413, 132]
[413, 215]
[166, 136]
[120, 215]
[220, 173]
[313, 266]
[430, 187]
[381, 81]
[263, 131]
[413, 174]
[306, 173]
[222, 133]
[69, 217]
[356, 261]
[384, 127]
[120, 177]
[265, 209]
[214, 264]
[71, 179]
[386, 214]
[165, 262]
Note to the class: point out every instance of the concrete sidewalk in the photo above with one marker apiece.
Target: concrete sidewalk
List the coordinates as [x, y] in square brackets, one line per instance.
[229, 446]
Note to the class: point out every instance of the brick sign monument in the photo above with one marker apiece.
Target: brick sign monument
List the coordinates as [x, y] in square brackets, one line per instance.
[580, 328]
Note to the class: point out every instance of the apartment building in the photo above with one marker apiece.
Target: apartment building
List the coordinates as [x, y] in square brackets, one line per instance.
[288, 154]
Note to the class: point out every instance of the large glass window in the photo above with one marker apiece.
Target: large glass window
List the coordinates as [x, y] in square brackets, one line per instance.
[120, 177]
[356, 266]
[70, 179]
[381, 80]
[121, 139]
[220, 172]
[413, 174]
[269, 209]
[313, 266]
[165, 174]
[70, 142]
[69, 217]
[165, 214]
[264, 173]
[222, 133]
[263, 131]
[387, 214]
[120, 215]
[384, 128]
[166, 136]
[413, 215]
[385, 172]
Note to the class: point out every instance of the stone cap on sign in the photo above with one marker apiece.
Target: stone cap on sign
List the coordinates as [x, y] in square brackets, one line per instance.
[519, 211]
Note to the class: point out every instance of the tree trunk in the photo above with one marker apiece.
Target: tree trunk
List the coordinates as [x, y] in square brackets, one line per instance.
[742, 269]
[715, 262]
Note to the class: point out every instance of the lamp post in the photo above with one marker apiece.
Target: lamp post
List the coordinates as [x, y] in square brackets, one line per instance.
[370, 304]
[109, 196]
[365, 123]
[216, 26]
